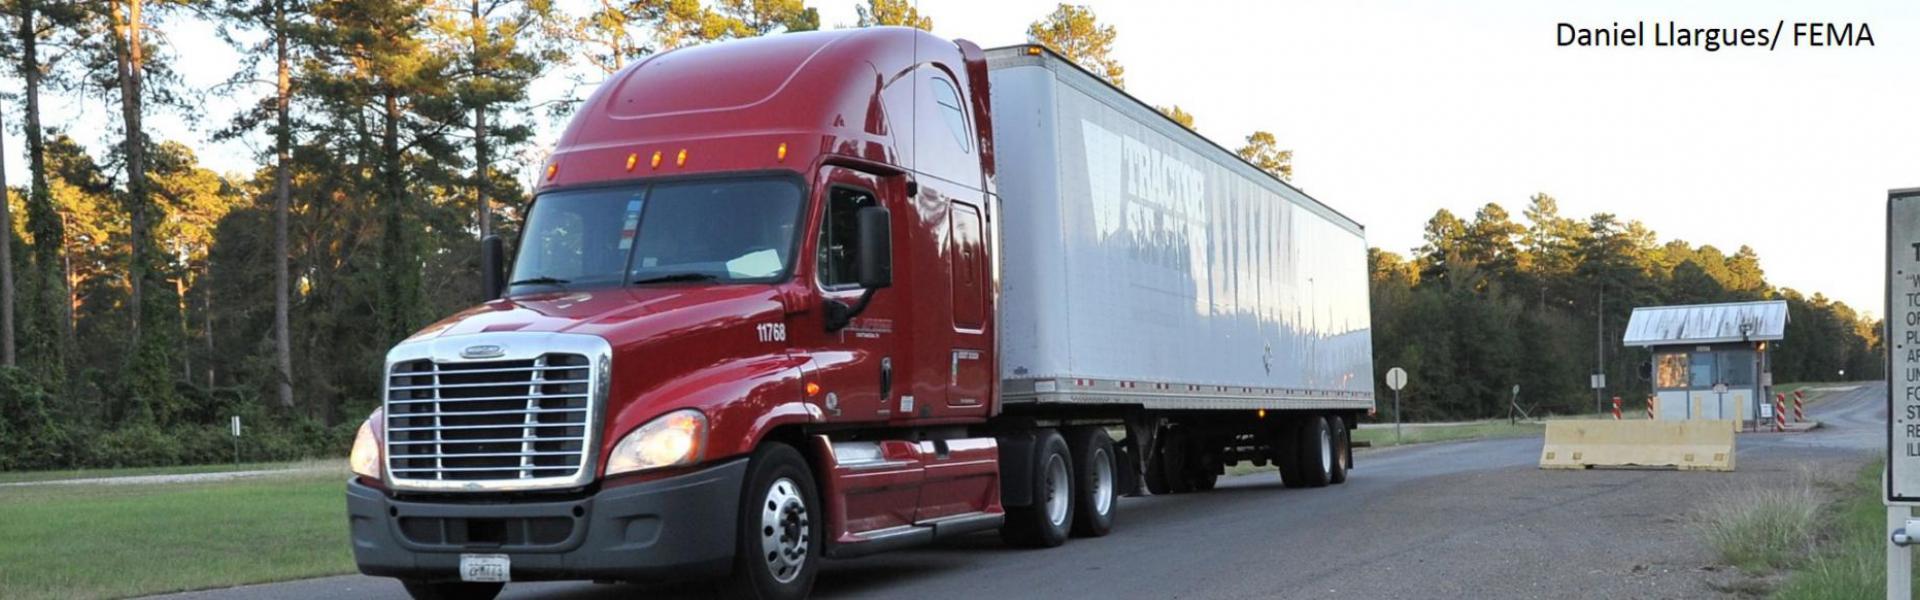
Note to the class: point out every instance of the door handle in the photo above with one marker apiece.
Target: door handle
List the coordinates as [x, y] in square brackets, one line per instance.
[886, 379]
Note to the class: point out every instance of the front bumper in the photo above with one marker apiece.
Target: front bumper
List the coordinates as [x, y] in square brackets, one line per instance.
[680, 527]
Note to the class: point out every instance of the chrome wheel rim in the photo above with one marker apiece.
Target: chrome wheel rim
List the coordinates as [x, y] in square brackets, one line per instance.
[1102, 481]
[1058, 485]
[784, 531]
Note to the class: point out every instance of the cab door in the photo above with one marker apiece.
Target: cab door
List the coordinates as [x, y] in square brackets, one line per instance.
[860, 367]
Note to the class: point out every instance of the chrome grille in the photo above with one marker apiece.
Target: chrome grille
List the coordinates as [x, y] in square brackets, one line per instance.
[479, 421]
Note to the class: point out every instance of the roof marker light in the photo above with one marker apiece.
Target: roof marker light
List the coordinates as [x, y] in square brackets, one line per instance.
[656, 159]
[552, 169]
[1033, 50]
[633, 158]
[681, 161]
[781, 154]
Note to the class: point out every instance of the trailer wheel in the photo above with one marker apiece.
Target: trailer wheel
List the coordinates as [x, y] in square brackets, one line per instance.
[1046, 522]
[1342, 449]
[1313, 447]
[452, 590]
[1096, 479]
[1175, 460]
[778, 554]
[1156, 475]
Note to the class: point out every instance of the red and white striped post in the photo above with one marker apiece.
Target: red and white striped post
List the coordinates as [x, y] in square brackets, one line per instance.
[1799, 407]
[1616, 408]
[1779, 412]
[1651, 399]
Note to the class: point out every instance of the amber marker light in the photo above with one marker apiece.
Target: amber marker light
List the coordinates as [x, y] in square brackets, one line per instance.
[656, 159]
[813, 389]
[681, 160]
[781, 154]
[1033, 50]
[632, 159]
[552, 169]
[1263, 413]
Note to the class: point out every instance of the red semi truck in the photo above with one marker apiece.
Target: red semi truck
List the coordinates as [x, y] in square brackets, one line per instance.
[835, 293]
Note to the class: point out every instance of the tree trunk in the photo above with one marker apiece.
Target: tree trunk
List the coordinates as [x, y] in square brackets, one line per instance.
[130, 63]
[395, 257]
[482, 154]
[282, 184]
[7, 357]
[44, 222]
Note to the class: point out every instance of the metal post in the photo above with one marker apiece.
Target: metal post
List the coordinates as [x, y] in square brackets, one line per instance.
[1396, 416]
[1899, 558]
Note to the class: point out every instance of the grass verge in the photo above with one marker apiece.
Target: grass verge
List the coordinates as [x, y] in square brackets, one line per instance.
[95, 541]
[1764, 529]
[1416, 434]
[29, 476]
[1851, 563]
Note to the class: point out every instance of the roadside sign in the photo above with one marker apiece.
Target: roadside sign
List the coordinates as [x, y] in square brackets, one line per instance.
[1599, 381]
[236, 426]
[1396, 378]
[1766, 411]
[1903, 329]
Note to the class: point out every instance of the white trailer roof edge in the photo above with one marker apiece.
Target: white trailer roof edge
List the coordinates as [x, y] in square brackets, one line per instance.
[1100, 88]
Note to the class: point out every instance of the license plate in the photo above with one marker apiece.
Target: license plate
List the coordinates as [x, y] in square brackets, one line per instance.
[485, 567]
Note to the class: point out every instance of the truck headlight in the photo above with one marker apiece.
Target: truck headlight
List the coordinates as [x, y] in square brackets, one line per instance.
[365, 458]
[674, 439]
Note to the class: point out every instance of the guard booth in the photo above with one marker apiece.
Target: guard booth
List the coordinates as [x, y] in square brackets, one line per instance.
[1710, 360]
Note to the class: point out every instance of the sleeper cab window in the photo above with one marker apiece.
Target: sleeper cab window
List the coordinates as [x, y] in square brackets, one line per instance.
[948, 100]
[839, 240]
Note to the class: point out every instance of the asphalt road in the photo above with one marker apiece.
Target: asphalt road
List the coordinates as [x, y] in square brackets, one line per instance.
[1451, 520]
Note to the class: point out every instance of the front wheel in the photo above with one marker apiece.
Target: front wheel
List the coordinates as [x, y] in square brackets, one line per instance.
[778, 552]
[1044, 523]
[452, 590]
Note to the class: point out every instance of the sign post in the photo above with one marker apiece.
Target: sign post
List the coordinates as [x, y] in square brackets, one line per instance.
[1902, 479]
[1396, 379]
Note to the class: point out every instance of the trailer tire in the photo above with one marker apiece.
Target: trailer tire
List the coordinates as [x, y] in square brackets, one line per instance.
[1342, 449]
[780, 516]
[452, 590]
[1156, 477]
[1096, 481]
[1175, 465]
[1313, 447]
[1045, 522]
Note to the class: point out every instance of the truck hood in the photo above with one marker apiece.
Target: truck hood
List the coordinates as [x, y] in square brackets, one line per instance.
[623, 316]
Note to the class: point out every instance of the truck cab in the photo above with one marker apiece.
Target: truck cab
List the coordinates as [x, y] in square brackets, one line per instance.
[748, 323]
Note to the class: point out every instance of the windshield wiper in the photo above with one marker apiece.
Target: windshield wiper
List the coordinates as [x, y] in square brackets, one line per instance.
[541, 280]
[672, 277]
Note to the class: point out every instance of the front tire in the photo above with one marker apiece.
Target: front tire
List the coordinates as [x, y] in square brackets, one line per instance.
[1045, 522]
[1096, 488]
[778, 552]
[452, 590]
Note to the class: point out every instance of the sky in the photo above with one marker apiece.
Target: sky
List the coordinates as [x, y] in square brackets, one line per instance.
[1396, 109]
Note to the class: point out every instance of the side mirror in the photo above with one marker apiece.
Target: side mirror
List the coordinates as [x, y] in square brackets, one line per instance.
[493, 268]
[875, 263]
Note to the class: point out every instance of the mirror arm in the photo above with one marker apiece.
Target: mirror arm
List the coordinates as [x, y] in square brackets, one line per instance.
[839, 315]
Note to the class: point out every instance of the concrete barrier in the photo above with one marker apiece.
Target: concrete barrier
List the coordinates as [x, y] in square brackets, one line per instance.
[1697, 445]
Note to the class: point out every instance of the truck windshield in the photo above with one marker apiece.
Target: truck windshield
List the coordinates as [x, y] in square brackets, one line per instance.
[734, 231]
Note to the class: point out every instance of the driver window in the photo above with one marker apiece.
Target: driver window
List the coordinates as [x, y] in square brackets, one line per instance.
[839, 238]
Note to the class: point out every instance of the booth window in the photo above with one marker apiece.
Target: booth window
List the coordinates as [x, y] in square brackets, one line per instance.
[1672, 371]
[1736, 369]
[1700, 371]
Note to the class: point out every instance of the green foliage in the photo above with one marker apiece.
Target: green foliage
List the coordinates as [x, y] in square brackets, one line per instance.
[1264, 152]
[1488, 303]
[1072, 31]
[1179, 115]
[902, 13]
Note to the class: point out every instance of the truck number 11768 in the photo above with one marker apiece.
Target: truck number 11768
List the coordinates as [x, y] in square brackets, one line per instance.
[772, 332]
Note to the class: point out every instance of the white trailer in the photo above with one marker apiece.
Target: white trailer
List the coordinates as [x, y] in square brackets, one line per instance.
[1151, 275]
